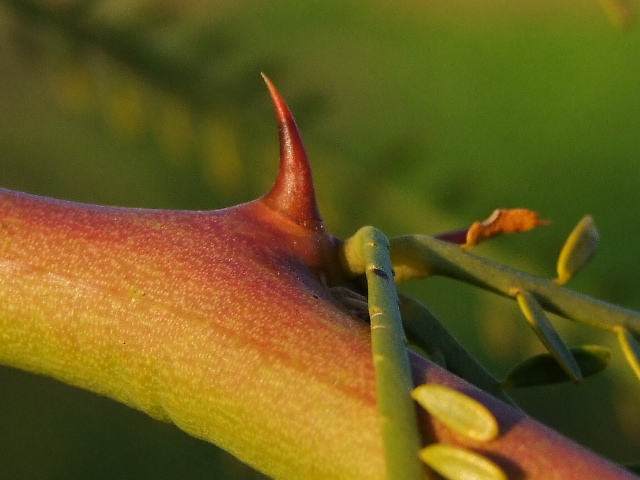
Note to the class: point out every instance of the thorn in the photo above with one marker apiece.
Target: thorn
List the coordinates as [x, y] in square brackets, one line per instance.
[292, 194]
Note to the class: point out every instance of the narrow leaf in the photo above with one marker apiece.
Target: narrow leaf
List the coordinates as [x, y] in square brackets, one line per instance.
[548, 335]
[456, 463]
[580, 247]
[544, 369]
[427, 332]
[457, 411]
[630, 348]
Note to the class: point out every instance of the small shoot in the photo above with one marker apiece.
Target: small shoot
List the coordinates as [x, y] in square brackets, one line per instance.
[368, 252]
[580, 247]
[503, 221]
[630, 348]
[544, 369]
[458, 411]
[500, 222]
[455, 463]
[547, 333]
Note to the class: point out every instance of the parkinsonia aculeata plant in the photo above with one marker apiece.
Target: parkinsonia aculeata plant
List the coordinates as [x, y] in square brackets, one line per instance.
[253, 328]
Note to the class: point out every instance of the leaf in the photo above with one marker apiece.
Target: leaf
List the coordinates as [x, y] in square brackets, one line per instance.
[503, 221]
[455, 463]
[457, 411]
[580, 247]
[630, 348]
[426, 331]
[544, 369]
[548, 335]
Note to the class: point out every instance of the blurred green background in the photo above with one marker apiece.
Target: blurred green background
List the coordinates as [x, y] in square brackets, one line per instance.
[419, 117]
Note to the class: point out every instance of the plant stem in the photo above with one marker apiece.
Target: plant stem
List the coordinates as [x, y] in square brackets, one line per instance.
[368, 251]
[419, 256]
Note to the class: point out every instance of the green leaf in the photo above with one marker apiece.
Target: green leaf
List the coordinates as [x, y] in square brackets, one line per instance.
[548, 335]
[580, 247]
[458, 411]
[544, 369]
[630, 348]
[455, 463]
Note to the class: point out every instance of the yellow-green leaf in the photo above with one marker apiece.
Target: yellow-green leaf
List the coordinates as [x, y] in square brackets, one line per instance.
[547, 333]
[630, 348]
[455, 463]
[458, 411]
[544, 369]
[580, 247]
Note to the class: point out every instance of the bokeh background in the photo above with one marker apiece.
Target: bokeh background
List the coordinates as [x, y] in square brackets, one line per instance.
[419, 117]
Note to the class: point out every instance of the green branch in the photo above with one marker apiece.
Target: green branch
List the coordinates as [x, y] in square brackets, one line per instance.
[368, 252]
[419, 256]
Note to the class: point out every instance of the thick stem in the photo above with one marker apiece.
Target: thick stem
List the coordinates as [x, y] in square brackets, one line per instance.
[209, 321]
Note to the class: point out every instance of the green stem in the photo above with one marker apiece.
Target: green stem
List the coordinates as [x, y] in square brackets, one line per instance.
[419, 256]
[368, 252]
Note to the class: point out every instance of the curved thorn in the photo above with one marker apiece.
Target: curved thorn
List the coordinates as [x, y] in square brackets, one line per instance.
[293, 194]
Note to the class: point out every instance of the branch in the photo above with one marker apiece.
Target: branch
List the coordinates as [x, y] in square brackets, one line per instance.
[220, 323]
[418, 256]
